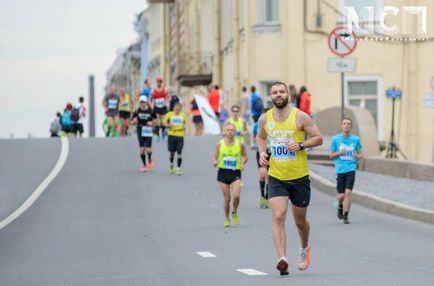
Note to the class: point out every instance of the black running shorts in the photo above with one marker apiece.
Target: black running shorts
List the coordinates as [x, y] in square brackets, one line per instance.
[161, 111]
[297, 190]
[77, 127]
[175, 144]
[227, 176]
[345, 181]
[143, 141]
[124, 114]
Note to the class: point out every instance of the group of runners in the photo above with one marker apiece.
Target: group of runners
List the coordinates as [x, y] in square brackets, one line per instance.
[151, 117]
[283, 133]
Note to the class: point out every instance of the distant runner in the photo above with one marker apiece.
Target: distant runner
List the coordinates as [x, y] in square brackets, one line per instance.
[175, 121]
[345, 151]
[144, 118]
[230, 156]
[160, 98]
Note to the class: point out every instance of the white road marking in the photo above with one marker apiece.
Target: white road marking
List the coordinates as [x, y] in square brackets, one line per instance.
[41, 188]
[250, 271]
[206, 254]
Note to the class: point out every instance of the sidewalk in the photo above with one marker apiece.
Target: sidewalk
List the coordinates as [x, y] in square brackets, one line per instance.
[407, 198]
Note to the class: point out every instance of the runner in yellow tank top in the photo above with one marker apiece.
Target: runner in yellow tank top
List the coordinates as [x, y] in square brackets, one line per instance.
[230, 156]
[288, 179]
[238, 122]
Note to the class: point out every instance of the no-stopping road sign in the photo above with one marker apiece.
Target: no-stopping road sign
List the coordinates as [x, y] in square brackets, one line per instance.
[342, 42]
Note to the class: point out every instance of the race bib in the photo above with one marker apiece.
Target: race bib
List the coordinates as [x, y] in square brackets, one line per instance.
[349, 154]
[112, 104]
[230, 163]
[124, 103]
[176, 120]
[146, 131]
[159, 102]
[280, 153]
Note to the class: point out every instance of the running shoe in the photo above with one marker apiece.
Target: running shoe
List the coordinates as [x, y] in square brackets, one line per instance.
[241, 184]
[144, 169]
[171, 169]
[265, 203]
[261, 202]
[282, 266]
[345, 217]
[340, 213]
[304, 258]
[227, 222]
[150, 165]
[178, 172]
[235, 218]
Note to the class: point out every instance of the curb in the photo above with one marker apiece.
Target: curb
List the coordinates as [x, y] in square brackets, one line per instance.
[375, 202]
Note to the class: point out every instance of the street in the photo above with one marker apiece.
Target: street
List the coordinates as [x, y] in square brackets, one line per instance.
[102, 222]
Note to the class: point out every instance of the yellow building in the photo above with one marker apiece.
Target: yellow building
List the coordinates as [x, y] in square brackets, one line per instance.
[257, 42]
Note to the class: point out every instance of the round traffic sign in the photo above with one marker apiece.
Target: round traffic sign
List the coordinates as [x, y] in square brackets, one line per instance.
[342, 42]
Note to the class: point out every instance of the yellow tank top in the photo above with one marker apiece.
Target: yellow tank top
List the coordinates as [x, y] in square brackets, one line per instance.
[239, 126]
[285, 165]
[125, 105]
[177, 121]
[230, 156]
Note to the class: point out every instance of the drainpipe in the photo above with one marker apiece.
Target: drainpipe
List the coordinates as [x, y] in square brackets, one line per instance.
[306, 28]
[197, 37]
[217, 69]
[236, 33]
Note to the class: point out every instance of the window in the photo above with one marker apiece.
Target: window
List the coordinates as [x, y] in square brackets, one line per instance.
[366, 16]
[268, 11]
[364, 92]
[271, 11]
[264, 91]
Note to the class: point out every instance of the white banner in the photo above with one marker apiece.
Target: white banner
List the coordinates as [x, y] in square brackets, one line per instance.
[210, 121]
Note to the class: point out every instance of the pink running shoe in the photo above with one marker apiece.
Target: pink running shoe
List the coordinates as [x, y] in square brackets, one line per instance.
[304, 258]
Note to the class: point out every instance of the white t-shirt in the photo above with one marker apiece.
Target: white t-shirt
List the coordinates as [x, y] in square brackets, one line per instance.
[82, 112]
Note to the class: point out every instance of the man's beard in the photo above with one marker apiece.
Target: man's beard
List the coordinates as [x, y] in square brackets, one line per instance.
[282, 104]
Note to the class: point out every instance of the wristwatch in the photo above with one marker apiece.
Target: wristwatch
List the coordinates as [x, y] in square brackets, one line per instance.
[301, 144]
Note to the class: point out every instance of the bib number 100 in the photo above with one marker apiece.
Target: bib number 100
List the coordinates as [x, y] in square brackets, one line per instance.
[280, 152]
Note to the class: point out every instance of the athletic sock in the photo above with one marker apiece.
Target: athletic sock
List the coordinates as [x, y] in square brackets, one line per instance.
[150, 156]
[162, 130]
[108, 132]
[262, 188]
[143, 156]
[172, 157]
[179, 162]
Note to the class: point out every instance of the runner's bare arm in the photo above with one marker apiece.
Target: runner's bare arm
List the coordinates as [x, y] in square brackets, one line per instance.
[359, 155]
[333, 155]
[214, 160]
[244, 127]
[244, 157]
[315, 137]
[261, 140]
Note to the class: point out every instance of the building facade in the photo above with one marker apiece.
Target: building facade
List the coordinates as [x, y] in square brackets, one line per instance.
[256, 42]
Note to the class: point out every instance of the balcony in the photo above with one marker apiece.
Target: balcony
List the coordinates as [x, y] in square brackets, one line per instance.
[195, 69]
[160, 1]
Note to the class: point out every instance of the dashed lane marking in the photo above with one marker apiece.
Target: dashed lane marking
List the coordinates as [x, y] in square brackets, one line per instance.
[206, 254]
[251, 272]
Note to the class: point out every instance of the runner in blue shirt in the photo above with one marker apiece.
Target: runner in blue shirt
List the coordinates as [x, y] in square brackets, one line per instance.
[345, 151]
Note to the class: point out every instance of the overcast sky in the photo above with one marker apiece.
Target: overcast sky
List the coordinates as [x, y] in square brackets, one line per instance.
[48, 48]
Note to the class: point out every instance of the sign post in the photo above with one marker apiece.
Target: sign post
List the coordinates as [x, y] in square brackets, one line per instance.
[342, 43]
[392, 145]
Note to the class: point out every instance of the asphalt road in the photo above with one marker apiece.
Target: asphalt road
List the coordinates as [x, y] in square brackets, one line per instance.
[102, 222]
